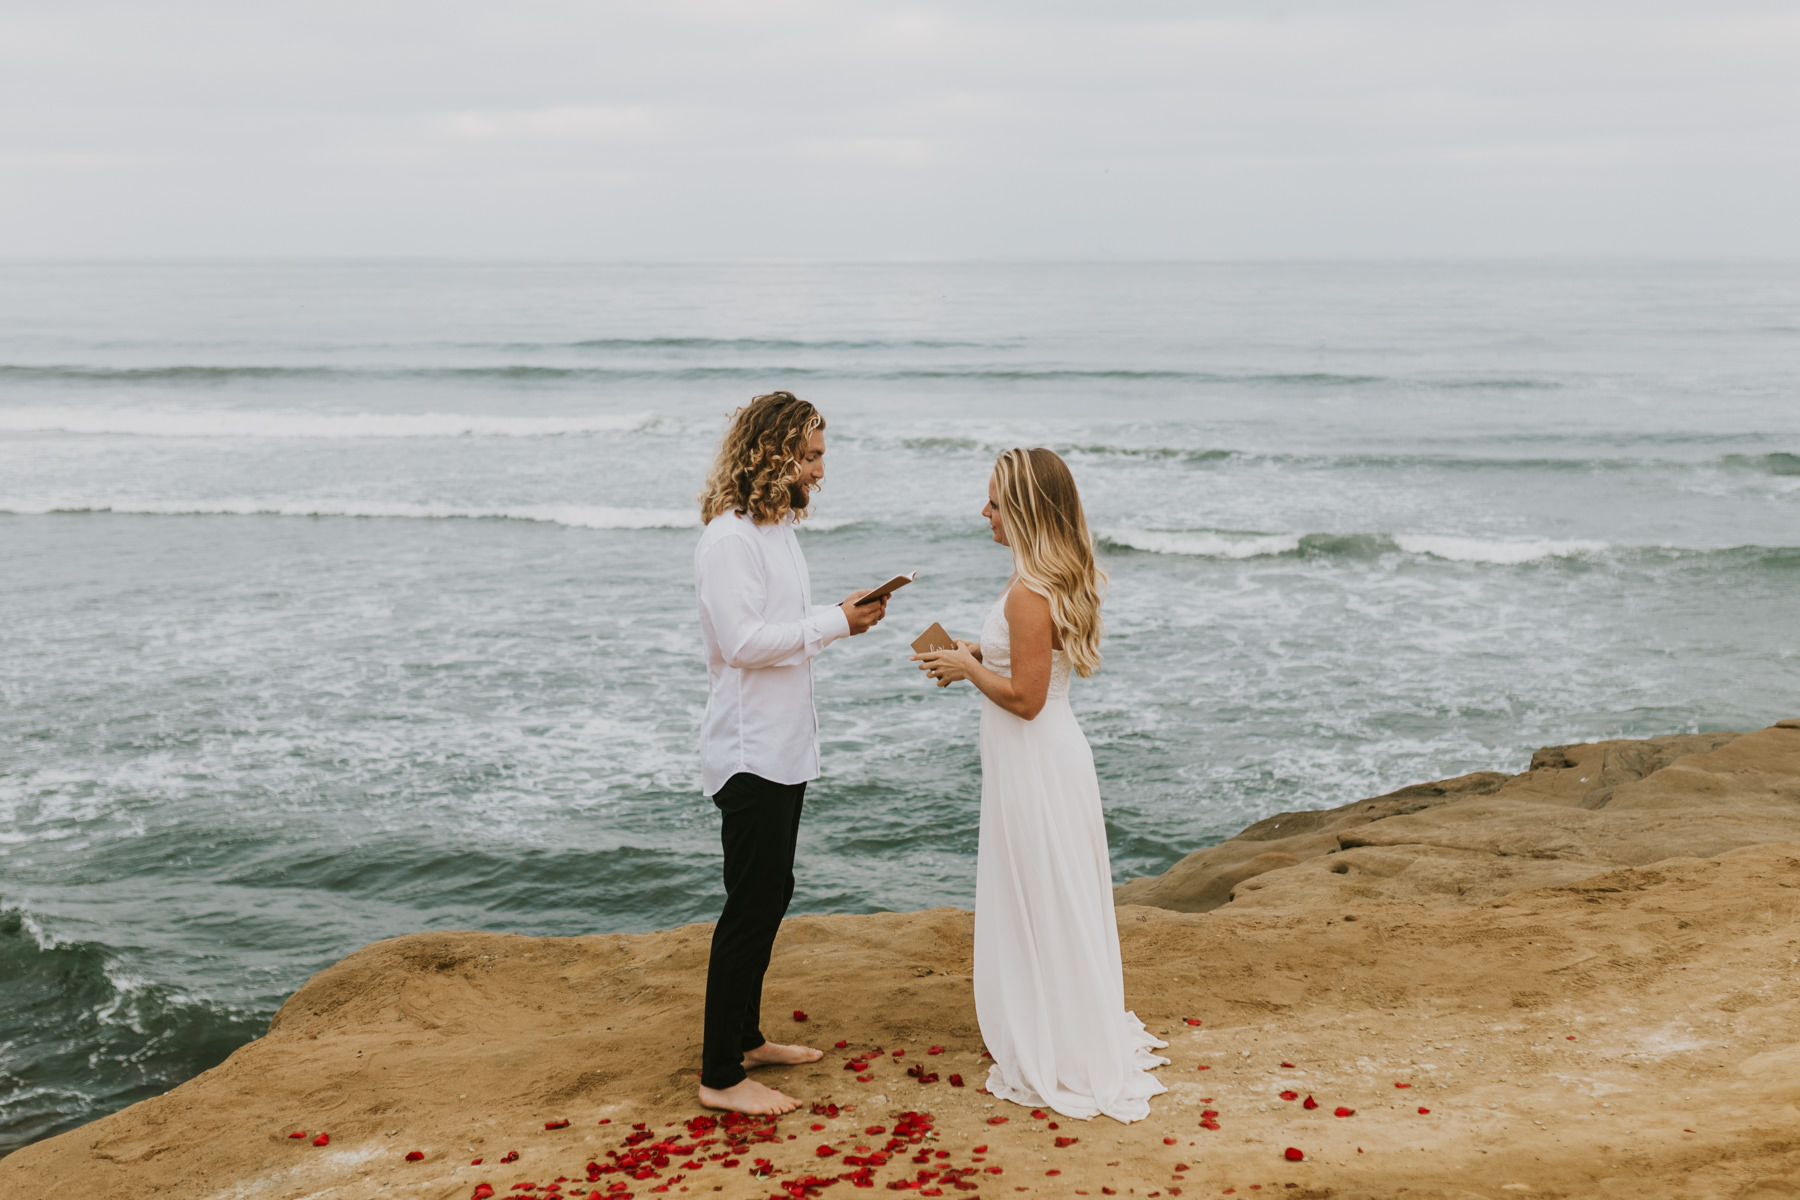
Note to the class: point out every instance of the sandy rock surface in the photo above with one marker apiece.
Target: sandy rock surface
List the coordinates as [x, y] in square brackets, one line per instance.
[1589, 985]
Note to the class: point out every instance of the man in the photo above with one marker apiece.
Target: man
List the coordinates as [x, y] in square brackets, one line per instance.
[759, 741]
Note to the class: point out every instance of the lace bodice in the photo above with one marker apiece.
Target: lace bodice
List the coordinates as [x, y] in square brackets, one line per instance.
[996, 651]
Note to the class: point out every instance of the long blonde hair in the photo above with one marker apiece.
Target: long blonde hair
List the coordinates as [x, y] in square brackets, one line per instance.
[758, 464]
[1053, 553]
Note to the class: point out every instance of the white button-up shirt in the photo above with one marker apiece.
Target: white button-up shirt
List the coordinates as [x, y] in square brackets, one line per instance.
[761, 631]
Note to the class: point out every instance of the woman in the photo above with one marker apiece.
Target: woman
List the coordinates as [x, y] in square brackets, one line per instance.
[1049, 991]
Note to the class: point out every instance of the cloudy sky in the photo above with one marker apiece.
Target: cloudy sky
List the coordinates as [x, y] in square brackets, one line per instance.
[844, 129]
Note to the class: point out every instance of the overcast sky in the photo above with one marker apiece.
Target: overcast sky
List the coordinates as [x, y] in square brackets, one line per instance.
[797, 128]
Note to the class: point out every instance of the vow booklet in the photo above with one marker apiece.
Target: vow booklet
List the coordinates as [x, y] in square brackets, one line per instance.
[933, 639]
[885, 590]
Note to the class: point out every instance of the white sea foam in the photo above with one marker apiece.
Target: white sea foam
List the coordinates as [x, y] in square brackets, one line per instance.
[1504, 553]
[1205, 543]
[238, 423]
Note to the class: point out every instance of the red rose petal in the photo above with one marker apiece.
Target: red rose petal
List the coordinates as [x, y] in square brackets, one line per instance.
[414, 1156]
[1208, 1114]
[1310, 1104]
[798, 1015]
[1067, 1141]
[1037, 1114]
[956, 1081]
[1203, 1067]
[824, 1152]
[899, 1054]
[993, 1170]
[998, 1120]
[1209, 1124]
[1423, 1111]
[1288, 1065]
[1571, 1037]
[606, 1120]
[841, 1045]
[482, 1191]
[475, 1162]
[1344, 1112]
[510, 1156]
[562, 1124]
[1054, 1171]
[864, 1078]
[817, 1127]
[978, 1150]
[1168, 1141]
[1290, 1095]
[1192, 1020]
[324, 1139]
[1293, 1154]
[298, 1133]
[1403, 1085]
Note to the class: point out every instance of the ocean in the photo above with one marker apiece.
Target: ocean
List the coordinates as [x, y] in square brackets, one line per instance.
[344, 600]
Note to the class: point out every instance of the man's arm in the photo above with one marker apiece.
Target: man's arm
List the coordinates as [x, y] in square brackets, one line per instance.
[732, 591]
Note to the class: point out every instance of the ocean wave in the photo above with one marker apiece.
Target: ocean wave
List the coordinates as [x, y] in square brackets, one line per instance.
[88, 1037]
[577, 516]
[1499, 552]
[1203, 543]
[1778, 463]
[574, 516]
[224, 374]
[1237, 544]
[237, 423]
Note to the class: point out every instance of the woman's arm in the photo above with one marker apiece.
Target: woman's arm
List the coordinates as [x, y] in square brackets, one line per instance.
[1024, 693]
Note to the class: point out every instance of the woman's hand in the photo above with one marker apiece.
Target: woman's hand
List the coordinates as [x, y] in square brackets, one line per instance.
[948, 666]
[973, 648]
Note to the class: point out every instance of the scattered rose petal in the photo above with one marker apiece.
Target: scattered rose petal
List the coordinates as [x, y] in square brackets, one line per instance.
[1209, 1113]
[1066, 1141]
[1290, 1066]
[864, 1078]
[1423, 1111]
[1571, 1037]
[816, 1127]
[875, 1130]
[324, 1139]
[1054, 1171]
[482, 1191]
[979, 1150]
[298, 1133]
[841, 1045]
[474, 1162]
[935, 1050]
[511, 1156]
[998, 1120]
[824, 1152]
[606, 1120]
[799, 1015]
[956, 1081]
[899, 1054]
[1403, 1085]
[1310, 1104]
[1290, 1095]
[1209, 1123]
[1293, 1154]
[993, 1170]
[1341, 1111]
[414, 1156]
[1192, 1020]
[1166, 1141]
[562, 1124]
[1202, 1067]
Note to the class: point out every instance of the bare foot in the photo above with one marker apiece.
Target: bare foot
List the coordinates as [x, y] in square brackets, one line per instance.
[774, 1054]
[748, 1097]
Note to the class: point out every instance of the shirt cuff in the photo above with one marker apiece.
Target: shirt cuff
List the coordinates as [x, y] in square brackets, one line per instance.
[834, 624]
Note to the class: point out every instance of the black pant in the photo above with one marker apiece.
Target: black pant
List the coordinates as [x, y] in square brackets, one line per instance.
[762, 825]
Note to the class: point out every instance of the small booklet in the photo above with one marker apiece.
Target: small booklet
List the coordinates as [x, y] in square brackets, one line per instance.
[933, 639]
[885, 590]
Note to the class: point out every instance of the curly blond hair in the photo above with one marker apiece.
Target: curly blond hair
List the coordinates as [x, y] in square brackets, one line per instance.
[1053, 553]
[757, 469]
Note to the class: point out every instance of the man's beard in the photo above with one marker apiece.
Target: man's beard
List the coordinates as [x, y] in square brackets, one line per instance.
[798, 496]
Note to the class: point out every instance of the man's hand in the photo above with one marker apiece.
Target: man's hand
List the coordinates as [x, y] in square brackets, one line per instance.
[863, 617]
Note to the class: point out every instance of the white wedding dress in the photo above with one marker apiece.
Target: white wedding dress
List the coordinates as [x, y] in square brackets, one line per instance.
[1049, 989]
